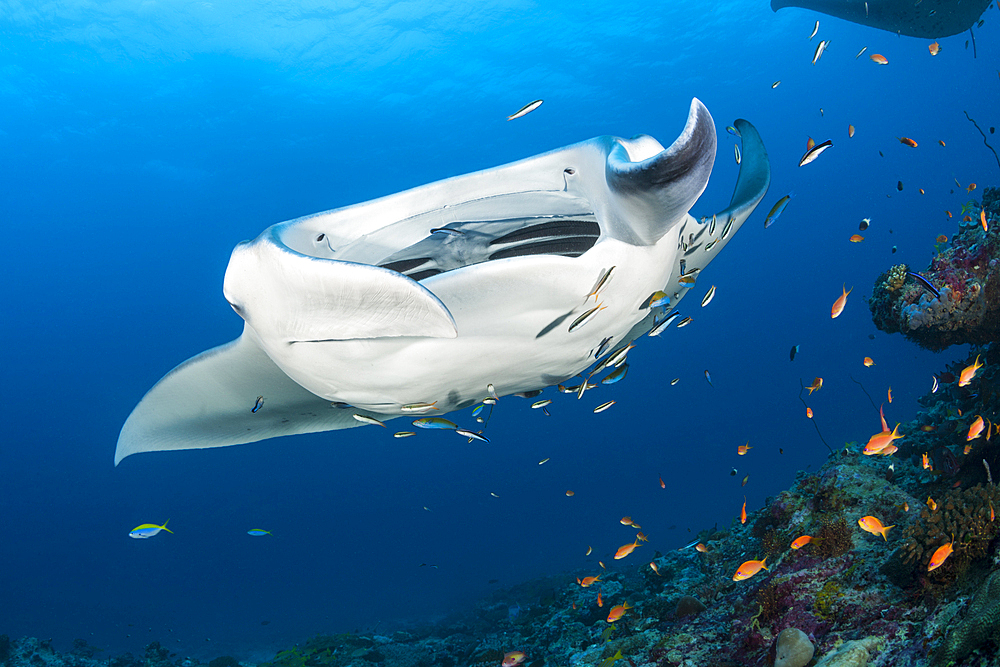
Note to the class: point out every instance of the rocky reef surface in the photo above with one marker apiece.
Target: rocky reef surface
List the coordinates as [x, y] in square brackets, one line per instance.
[846, 598]
[964, 273]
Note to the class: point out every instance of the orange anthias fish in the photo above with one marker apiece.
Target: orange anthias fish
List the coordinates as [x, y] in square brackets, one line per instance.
[976, 429]
[931, 504]
[655, 567]
[513, 659]
[949, 213]
[809, 413]
[703, 549]
[850, 131]
[941, 238]
[872, 525]
[992, 514]
[626, 549]
[906, 141]
[857, 238]
[880, 441]
[869, 362]
[743, 449]
[743, 512]
[927, 462]
[662, 485]
[881, 415]
[817, 384]
[982, 219]
[641, 537]
[588, 581]
[889, 394]
[802, 541]
[810, 143]
[941, 142]
[626, 521]
[969, 372]
[970, 187]
[750, 568]
[600, 600]
[617, 612]
[838, 305]
[940, 556]
[934, 48]
[879, 59]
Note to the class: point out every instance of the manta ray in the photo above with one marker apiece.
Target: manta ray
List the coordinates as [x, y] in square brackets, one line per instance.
[930, 19]
[503, 281]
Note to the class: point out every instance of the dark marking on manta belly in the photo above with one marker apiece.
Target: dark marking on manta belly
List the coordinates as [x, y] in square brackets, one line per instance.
[405, 265]
[454, 398]
[426, 273]
[568, 247]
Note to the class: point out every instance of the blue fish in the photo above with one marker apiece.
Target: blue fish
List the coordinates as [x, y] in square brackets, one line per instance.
[778, 208]
[709, 378]
[258, 405]
[258, 532]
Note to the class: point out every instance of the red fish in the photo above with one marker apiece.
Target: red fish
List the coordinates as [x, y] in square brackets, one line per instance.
[743, 512]
[750, 568]
[617, 612]
[838, 305]
[872, 525]
[802, 541]
[513, 659]
[940, 556]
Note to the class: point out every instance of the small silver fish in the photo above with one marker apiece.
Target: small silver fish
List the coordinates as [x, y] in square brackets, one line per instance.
[725, 230]
[586, 317]
[935, 387]
[603, 406]
[815, 30]
[711, 244]
[820, 48]
[419, 408]
[602, 347]
[258, 405]
[711, 228]
[739, 157]
[683, 323]
[708, 296]
[775, 84]
[542, 461]
[863, 49]
[489, 401]
[492, 391]
[541, 404]
[526, 109]
[472, 435]
[605, 276]
[365, 419]
[814, 152]
[674, 381]
[403, 434]
[619, 355]
[659, 328]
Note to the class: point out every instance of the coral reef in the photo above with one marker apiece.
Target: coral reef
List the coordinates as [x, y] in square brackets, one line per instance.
[966, 278]
[794, 649]
[981, 625]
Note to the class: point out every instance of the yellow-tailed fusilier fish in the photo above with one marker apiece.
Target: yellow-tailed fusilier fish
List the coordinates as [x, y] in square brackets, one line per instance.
[820, 48]
[708, 296]
[419, 408]
[147, 530]
[586, 317]
[605, 276]
[526, 109]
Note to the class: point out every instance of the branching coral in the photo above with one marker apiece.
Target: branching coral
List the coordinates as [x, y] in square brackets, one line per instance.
[962, 516]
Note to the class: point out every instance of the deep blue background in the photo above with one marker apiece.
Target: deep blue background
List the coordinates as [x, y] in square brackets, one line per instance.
[138, 146]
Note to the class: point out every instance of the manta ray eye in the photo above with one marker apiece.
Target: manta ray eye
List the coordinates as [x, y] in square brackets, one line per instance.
[569, 170]
[319, 239]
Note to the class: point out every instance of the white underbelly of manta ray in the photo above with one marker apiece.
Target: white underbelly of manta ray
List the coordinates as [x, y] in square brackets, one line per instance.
[518, 277]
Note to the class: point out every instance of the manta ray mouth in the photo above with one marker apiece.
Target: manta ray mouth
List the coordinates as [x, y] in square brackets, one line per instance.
[462, 244]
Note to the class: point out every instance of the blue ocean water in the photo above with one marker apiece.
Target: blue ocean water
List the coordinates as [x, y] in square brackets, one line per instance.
[140, 142]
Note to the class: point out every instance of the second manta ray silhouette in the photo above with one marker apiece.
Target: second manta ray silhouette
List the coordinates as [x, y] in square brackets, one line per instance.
[415, 303]
[930, 19]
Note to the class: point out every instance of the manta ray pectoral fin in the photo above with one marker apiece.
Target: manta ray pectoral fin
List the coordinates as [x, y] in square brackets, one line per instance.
[656, 191]
[922, 18]
[285, 295]
[208, 401]
[754, 178]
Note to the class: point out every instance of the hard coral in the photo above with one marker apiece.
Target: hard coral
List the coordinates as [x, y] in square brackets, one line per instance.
[981, 624]
[963, 518]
